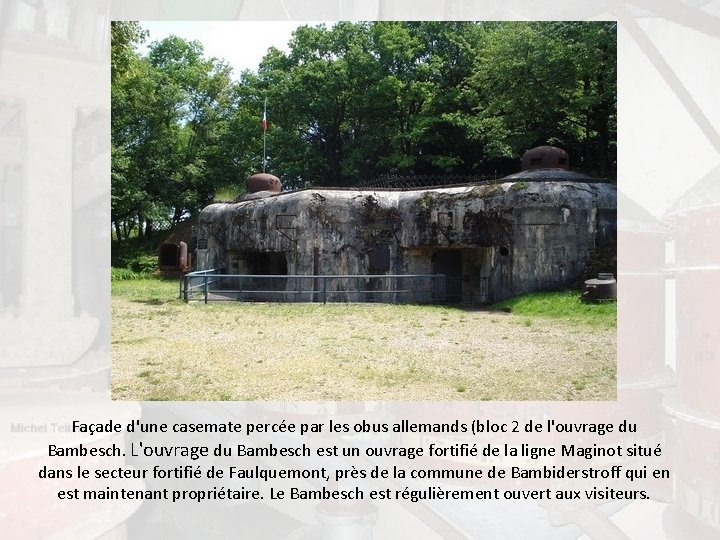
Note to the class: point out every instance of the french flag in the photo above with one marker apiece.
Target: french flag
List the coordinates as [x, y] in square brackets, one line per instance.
[264, 120]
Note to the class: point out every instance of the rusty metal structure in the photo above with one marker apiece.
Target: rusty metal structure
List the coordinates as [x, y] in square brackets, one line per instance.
[601, 288]
[545, 157]
[261, 182]
[174, 257]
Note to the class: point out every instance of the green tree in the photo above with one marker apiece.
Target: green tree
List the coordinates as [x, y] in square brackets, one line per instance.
[126, 192]
[192, 100]
[169, 112]
[545, 83]
[317, 92]
[351, 102]
[449, 50]
[125, 36]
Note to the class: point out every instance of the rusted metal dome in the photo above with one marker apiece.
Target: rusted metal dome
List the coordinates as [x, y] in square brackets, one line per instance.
[545, 157]
[263, 182]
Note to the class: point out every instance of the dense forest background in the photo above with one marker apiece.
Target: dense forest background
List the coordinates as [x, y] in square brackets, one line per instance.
[352, 102]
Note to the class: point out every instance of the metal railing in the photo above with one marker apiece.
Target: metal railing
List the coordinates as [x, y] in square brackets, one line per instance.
[210, 286]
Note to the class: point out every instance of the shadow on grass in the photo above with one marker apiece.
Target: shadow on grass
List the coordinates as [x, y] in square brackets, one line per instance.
[152, 302]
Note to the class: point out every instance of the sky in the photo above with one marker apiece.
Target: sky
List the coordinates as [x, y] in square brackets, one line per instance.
[241, 43]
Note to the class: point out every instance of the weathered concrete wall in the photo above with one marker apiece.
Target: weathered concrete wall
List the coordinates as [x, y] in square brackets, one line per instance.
[512, 238]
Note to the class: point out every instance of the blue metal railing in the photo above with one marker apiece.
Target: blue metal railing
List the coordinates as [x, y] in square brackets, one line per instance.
[209, 286]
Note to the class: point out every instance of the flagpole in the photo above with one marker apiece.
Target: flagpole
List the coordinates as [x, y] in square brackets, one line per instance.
[264, 125]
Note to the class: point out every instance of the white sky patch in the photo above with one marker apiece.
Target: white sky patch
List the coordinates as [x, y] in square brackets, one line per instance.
[241, 43]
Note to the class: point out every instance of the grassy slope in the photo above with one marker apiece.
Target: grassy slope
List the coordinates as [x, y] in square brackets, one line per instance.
[564, 305]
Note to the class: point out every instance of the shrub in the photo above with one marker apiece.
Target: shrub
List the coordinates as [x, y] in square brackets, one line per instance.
[143, 264]
[122, 274]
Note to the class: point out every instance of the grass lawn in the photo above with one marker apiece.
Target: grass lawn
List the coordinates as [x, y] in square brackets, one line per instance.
[549, 347]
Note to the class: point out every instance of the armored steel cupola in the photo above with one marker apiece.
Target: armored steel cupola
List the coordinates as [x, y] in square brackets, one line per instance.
[545, 164]
[263, 182]
[545, 157]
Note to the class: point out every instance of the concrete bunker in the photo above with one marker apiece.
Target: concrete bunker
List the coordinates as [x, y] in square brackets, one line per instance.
[538, 229]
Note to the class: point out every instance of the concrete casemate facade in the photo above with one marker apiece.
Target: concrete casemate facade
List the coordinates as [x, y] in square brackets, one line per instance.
[535, 230]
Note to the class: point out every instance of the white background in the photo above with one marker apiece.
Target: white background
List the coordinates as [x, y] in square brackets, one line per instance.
[54, 295]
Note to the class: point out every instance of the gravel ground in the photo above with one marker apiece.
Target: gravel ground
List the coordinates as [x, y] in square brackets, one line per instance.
[175, 351]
